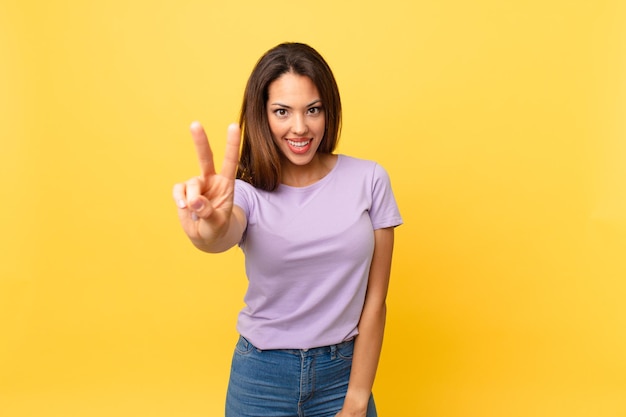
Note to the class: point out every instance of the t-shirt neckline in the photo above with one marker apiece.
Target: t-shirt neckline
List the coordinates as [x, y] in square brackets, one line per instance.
[317, 183]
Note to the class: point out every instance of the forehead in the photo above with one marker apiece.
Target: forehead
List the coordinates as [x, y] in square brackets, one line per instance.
[293, 87]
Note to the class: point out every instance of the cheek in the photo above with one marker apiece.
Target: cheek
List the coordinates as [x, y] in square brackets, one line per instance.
[321, 126]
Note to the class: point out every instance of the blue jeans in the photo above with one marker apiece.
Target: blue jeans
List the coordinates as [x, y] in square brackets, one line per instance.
[290, 382]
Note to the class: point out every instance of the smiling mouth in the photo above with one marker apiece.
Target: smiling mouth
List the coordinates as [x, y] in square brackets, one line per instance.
[300, 147]
[298, 144]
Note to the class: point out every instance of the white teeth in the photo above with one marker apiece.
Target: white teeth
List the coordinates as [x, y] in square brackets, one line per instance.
[298, 144]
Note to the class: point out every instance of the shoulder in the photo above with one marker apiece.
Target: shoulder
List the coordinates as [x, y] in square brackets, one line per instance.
[356, 164]
[245, 196]
[363, 167]
[243, 185]
[375, 181]
[352, 161]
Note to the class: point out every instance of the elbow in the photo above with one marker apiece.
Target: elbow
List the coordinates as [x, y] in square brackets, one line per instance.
[376, 309]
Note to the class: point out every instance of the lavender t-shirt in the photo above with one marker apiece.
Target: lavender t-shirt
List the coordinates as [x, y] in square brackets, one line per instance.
[308, 252]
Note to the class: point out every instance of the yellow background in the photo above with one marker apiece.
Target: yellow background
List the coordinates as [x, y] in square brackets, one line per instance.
[501, 124]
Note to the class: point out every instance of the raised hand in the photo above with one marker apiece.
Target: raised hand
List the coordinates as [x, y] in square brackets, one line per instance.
[205, 202]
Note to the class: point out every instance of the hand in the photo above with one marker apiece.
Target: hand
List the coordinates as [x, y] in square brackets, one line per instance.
[353, 408]
[205, 202]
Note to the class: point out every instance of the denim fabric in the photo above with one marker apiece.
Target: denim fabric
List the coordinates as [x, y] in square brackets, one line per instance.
[289, 383]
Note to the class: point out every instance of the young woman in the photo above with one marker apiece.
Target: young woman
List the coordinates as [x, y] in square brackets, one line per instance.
[317, 231]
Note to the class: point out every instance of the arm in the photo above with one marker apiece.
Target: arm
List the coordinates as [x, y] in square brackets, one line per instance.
[368, 343]
[205, 203]
[233, 234]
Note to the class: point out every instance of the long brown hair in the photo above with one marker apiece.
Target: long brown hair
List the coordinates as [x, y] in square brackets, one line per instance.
[259, 163]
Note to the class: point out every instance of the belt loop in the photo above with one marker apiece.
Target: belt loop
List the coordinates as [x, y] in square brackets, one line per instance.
[333, 352]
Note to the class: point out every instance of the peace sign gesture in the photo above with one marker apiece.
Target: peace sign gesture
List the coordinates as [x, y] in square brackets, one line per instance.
[205, 202]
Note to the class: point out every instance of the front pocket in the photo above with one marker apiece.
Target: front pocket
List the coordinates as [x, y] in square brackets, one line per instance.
[345, 350]
[243, 346]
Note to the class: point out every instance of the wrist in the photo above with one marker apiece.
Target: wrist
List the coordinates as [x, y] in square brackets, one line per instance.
[355, 403]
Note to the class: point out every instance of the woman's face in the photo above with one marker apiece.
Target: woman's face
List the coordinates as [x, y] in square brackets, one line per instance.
[296, 117]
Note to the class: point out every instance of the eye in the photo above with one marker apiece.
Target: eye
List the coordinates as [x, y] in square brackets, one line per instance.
[315, 110]
[280, 112]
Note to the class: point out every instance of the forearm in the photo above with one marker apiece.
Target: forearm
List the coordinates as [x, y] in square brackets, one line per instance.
[367, 349]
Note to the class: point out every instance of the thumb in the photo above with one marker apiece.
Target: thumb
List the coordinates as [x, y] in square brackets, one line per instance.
[201, 207]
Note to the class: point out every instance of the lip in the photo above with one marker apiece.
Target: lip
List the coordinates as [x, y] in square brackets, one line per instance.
[303, 147]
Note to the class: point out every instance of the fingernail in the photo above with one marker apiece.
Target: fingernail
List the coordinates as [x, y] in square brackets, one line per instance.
[194, 217]
[181, 203]
[198, 205]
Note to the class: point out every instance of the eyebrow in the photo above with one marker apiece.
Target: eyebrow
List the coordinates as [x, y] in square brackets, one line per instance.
[289, 107]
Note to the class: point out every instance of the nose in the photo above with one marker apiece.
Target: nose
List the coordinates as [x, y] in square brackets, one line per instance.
[299, 125]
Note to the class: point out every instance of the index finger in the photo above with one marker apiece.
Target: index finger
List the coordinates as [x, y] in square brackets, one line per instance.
[203, 149]
[231, 153]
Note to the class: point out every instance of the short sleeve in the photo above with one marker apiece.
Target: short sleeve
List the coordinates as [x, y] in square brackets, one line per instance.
[242, 196]
[384, 211]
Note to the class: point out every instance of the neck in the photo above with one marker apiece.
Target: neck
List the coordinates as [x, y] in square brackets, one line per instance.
[303, 175]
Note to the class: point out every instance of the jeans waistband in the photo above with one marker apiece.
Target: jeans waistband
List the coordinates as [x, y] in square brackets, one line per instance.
[306, 352]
